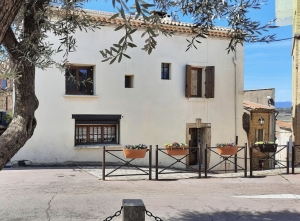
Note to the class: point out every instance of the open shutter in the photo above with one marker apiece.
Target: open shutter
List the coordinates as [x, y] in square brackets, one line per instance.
[90, 85]
[210, 82]
[188, 81]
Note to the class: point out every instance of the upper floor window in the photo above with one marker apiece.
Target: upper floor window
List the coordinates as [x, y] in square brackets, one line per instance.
[165, 71]
[199, 84]
[79, 80]
[259, 135]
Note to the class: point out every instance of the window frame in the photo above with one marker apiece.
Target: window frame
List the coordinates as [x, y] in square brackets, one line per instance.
[89, 86]
[257, 134]
[96, 120]
[163, 74]
[205, 82]
[102, 134]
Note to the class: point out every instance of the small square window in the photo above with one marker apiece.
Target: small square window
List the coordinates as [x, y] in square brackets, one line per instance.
[165, 71]
[129, 81]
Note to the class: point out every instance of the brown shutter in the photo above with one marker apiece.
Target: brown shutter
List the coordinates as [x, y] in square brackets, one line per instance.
[90, 85]
[188, 81]
[210, 82]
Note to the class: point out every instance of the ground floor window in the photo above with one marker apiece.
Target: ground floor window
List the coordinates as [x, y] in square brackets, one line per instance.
[96, 129]
[95, 134]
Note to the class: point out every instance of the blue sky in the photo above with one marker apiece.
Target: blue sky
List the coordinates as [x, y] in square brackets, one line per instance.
[266, 65]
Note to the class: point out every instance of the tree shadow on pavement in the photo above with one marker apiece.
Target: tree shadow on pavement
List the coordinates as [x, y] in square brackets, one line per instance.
[285, 215]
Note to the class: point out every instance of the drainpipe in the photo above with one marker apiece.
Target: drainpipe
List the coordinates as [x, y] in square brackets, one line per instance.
[235, 97]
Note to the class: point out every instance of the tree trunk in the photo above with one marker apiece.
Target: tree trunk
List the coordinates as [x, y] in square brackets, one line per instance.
[8, 11]
[23, 123]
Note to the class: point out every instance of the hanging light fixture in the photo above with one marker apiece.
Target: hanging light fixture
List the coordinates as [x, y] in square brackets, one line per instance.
[261, 120]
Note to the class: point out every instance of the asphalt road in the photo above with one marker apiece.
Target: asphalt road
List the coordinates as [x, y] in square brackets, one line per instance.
[73, 194]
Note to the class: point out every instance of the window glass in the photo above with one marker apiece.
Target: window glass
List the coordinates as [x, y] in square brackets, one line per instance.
[71, 80]
[83, 76]
[165, 71]
[75, 76]
[95, 134]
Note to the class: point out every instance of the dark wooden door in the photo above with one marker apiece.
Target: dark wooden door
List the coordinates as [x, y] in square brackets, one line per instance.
[196, 134]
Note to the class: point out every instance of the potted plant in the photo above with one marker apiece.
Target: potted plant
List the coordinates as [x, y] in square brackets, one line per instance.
[227, 148]
[176, 148]
[135, 151]
[266, 146]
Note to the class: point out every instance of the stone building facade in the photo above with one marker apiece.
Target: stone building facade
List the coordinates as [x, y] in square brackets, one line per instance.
[257, 131]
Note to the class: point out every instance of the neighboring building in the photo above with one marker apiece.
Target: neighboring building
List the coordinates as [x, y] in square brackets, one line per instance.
[295, 78]
[283, 135]
[5, 102]
[259, 122]
[170, 95]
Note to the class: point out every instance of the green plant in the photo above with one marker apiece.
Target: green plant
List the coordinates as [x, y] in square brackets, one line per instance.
[263, 142]
[8, 118]
[225, 145]
[175, 145]
[136, 147]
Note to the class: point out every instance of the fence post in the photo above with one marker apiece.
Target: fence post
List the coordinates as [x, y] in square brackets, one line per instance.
[250, 153]
[133, 210]
[293, 158]
[288, 158]
[245, 160]
[235, 162]
[156, 162]
[199, 160]
[103, 164]
[205, 160]
[150, 162]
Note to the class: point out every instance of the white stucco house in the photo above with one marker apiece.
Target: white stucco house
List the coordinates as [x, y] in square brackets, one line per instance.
[171, 95]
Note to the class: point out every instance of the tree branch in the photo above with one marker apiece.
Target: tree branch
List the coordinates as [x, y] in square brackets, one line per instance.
[8, 11]
[10, 42]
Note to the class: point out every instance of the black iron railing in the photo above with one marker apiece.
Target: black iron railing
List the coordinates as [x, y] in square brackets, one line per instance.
[177, 160]
[126, 163]
[269, 153]
[228, 158]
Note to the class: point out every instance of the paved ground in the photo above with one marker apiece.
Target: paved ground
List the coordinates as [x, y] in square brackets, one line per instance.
[79, 194]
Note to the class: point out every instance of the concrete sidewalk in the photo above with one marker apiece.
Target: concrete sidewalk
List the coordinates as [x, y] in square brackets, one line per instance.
[73, 194]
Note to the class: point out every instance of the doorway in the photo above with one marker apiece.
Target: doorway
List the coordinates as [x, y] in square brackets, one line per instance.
[196, 138]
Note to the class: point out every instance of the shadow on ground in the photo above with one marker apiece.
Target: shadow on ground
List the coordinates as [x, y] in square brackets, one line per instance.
[285, 215]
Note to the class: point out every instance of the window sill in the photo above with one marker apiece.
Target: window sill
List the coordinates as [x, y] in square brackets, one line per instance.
[196, 99]
[99, 146]
[79, 96]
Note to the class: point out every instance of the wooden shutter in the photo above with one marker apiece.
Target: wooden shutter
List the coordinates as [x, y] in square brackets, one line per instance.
[210, 82]
[90, 85]
[188, 81]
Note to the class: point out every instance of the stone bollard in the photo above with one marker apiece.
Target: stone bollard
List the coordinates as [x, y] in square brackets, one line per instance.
[133, 210]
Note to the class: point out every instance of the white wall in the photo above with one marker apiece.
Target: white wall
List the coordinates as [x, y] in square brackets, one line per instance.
[154, 112]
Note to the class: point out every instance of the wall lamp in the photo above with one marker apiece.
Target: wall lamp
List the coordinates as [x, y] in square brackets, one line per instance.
[261, 120]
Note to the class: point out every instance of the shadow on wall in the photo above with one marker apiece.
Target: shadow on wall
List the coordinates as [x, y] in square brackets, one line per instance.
[235, 215]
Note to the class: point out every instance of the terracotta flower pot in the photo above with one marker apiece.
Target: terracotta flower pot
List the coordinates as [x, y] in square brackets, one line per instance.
[177, 151]
[227, 150]
[129, 153]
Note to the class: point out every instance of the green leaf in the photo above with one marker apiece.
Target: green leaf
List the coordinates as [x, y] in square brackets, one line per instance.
[114, 16]
[113, 60]
[131, 45]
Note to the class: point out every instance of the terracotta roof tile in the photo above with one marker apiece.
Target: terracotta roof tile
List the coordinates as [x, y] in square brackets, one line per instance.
[284, 125]
[255, 106]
